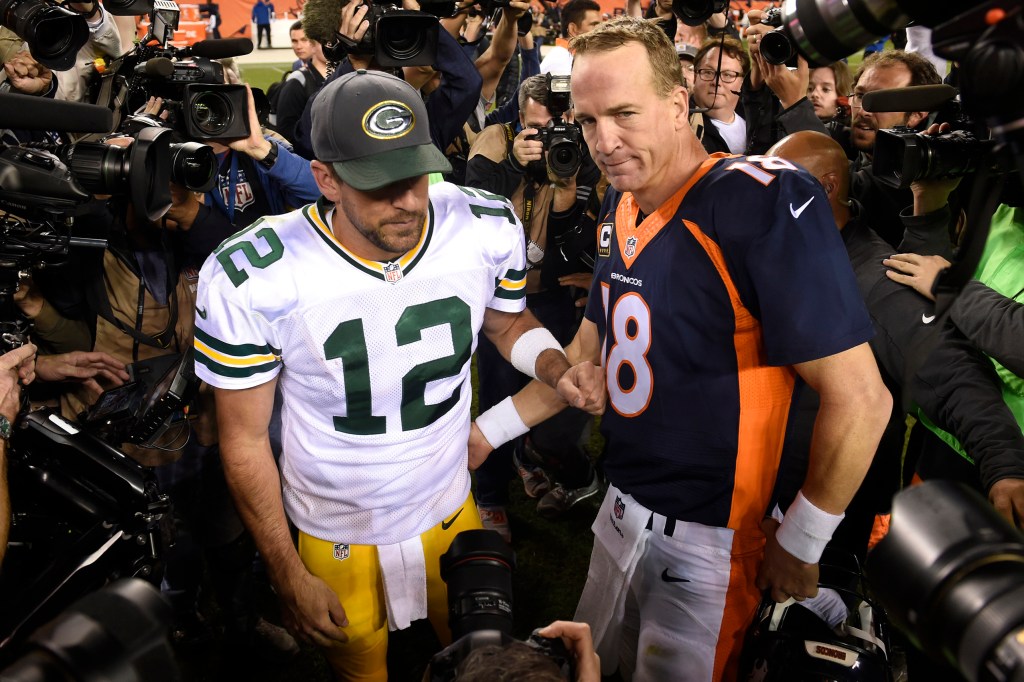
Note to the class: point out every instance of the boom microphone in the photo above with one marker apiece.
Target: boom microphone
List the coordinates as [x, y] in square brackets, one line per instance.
[911, 98]
[222, 48]
[157, 66]
[26, 112]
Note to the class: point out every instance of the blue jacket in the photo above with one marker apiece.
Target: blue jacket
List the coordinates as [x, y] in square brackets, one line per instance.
[288, 184]
[261, 12]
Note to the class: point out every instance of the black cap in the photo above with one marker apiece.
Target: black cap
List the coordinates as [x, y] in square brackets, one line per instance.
[372, 127]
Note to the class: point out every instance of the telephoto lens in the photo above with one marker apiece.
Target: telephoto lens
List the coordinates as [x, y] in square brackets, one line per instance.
[478, 571]
[54, 34]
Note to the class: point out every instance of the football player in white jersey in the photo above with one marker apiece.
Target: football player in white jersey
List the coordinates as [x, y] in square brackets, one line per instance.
[365, 308]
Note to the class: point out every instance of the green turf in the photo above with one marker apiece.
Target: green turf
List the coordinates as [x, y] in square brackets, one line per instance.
[262, 75]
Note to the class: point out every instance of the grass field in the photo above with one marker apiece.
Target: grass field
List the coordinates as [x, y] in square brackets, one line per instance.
[262, 75]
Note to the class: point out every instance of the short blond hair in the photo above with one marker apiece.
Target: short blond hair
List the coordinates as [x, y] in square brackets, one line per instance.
[661, 54]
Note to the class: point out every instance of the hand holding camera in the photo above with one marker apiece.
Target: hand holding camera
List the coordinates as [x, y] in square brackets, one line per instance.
[26, 75]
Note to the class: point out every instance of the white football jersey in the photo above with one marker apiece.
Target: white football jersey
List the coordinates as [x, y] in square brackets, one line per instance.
[373, 357]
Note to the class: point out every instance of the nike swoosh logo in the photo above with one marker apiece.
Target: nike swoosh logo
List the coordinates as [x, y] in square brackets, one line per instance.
[201, 311]
[445, 525]
[671, 578]
[796, 212]
[927, 319]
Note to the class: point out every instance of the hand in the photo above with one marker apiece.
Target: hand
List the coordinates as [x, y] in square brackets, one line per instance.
[582, 386]
[580, 280]
[255, 145]
[782, 573]
[789, 86]
[931, 195]
[1007, 496]
[580, 643]
[28, 76]
[90, 368]
[917, 272]
[353, 27]
[312, 610]
[17, 369]
[479, 447]
[28, 298]
[155, 108]
[515, 9]
[526, 150]
[184, 208]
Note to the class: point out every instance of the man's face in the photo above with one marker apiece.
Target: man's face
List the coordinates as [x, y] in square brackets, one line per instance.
[591, 20]
[627, 125]
[391, 218]
[301, 45]
[665, 5]
[865, 124]
[534, 115]
[719, 97]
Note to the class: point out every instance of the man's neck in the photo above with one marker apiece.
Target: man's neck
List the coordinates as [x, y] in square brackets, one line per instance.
[687, 161]
[726, 116]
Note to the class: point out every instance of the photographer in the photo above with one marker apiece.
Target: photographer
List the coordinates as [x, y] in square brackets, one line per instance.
[578, 17]
[449, 106]
[17, 369]
[104, 41]
[552, 208]
[259, 175]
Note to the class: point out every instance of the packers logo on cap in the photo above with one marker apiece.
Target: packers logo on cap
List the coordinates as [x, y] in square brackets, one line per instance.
[388, 120]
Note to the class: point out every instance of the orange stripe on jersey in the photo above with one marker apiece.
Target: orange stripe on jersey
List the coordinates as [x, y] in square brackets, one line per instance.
[632, 238]
[741, 602]
[765, 393]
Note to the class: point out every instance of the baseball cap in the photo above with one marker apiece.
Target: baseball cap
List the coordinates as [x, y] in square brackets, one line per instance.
[372, 127]
[686, 51]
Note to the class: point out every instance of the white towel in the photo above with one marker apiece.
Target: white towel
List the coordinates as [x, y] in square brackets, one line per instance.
[405, 582]
[619, 542]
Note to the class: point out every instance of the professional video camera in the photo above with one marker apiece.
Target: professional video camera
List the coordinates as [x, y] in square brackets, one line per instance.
[395, 36]
[118, 632]
[562, 140]
[903, 155]
[54, 34]
[696, 12]
[199, 103]
[951, 574]
[477, 569]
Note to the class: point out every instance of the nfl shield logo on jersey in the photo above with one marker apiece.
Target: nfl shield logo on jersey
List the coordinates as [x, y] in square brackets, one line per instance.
[630, 247]
[341, 551]
[620, 508]
[392, 272]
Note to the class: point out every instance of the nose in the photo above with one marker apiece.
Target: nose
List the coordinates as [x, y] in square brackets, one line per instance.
[603, 139]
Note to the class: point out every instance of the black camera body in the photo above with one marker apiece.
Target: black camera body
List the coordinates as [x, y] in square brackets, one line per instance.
[903, 155]
[395, 37]
[562, 141]
[776, 47]
[477, 568]
[696, 12]
[54, 34]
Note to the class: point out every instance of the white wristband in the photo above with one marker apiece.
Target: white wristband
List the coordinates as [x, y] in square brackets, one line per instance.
[805, 530]
[528, 348]
[501, 423]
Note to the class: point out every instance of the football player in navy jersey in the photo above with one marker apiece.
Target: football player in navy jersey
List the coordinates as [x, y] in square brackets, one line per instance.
[719, 281]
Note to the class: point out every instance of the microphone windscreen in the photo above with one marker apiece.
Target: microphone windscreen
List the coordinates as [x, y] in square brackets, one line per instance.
[321, 19]
[911, 98]
[222, 48]
[26, 112]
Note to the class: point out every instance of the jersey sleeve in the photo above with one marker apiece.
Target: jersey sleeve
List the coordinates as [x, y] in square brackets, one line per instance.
[791, 268]
[235, 346]
[503, 242]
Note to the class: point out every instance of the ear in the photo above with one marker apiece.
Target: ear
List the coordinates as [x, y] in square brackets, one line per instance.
[830, 183]
[326, 180]
[914, 118]
[681, 106]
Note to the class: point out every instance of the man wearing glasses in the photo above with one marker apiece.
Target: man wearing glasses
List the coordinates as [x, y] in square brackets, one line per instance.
[717, 89]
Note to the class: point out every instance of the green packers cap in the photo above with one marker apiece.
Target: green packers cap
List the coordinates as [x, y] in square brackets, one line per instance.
[372, 127]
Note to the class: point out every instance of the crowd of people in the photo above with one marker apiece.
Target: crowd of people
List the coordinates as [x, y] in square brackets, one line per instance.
[652, 224]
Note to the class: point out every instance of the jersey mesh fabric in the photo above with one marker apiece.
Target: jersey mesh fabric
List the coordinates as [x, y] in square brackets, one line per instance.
[375, 373]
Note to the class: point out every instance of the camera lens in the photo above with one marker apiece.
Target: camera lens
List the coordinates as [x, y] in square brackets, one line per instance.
[193, 165]
[99, 168]
[54, 34]
[564, 158]
[776, 48]
[478, 571]
[211, 113]
[402, 40]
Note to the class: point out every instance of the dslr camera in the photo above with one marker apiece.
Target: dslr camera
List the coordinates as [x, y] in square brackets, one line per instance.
[776, 47]
[562, 140]
[477, 568]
